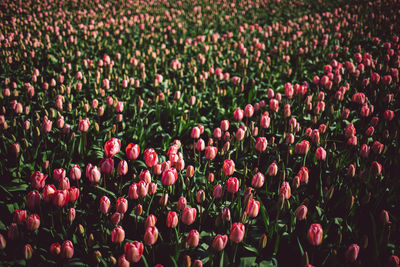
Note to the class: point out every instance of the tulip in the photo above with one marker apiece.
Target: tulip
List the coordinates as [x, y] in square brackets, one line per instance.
[172, 219]
[301, 213]
[60, 198]
[193, 238]
[352, 252]
[211, 152]
[232, 185]
[228, 167]
[133, 192]
[33, 200]
[38, 180]
[116, 218]
[123, 262]
[133, 251]
[315, 234]
[150, 157]
[19, 216]
[150, 235]
[189, 215]
[132, 151]
[107, 165]
[261, 144]
[219, 242]
[55, 248]
[122, 205]
[117, 235]
[217, 191]
[181, 203]
[104, 204]
[285, 190]
[195, 133]
[28, 251]
[258, 180]
[112, 147]
[169, 177]
[237, 232]
[272, 169]
[253, 207]
[59, 174]
[33, 222]
[376, 168]
[248, 111]
[67, 249]
[84, 125]
[238, 114]
[122, 168]
[150, 221]
[226, 215]
[320, 153]
[75, 173]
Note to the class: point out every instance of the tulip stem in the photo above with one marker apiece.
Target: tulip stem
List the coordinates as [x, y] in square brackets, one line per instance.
[320, 183]
[235, 252]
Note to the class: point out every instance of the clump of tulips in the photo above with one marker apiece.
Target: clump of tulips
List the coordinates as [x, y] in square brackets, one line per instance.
[199, 133]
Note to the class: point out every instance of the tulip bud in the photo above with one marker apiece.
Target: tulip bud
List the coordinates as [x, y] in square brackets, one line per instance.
[28, 251]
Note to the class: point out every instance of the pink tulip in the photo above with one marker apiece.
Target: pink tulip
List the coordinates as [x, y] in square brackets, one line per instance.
[237, 232]
[315, 234]
[193, 238]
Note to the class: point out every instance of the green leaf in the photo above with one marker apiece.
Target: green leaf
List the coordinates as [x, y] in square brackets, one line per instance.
[247, 261]
[271, 263]
[106, 191]
[250, 248]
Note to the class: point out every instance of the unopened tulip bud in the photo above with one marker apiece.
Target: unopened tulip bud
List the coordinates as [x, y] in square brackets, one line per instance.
[28, 251]
[262, 243]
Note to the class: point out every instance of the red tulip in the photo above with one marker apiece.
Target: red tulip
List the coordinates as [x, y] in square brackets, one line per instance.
[169, 177]
[189, 215]
[261, 144]
[67, 249]
[228, 167]
[33, 222]
[71, 214]
[150, 221]
[60, 198]
[75, 173]
[352, 252]
[172, 219]
[232, 185]
[302, 147]
[150, 235]
[211, 152]
[122, 168]
[237, 232]
[84, 125]
[258, 180]
[285, 190]
[59, 174]
[315, 234]
[272, 169]
[133, 251]
[73, 194]
[132, 151]
[193, 238]
[112, 147]
[122, 205]
[238, 114]
[376, 168]
[181, 203]
[150, 157]
[107, 165]
[253, 207]
[117, 235]
[38, 180]
[104, 204]
[19, 216]
[55, 248]
[195, 133]
[219, 242]
[248, 111]
[320, 153]
[28, 251]
[33, 200]
[301, 212]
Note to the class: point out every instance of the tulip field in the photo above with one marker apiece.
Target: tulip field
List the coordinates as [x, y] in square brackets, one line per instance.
[199, 133]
